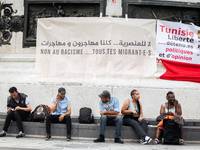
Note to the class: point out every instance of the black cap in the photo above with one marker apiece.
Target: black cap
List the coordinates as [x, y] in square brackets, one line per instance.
[61, 90]
[104, 94]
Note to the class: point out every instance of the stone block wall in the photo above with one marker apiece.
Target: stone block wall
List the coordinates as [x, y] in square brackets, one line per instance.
[17, 66]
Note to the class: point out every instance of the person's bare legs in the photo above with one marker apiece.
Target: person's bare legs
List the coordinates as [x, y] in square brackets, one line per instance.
[181, 136]
[158, 133]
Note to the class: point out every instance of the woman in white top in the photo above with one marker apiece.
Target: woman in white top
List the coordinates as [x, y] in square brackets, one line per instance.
[171, 107]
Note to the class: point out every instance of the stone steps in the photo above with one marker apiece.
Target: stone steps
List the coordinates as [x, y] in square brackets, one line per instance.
[191, 130]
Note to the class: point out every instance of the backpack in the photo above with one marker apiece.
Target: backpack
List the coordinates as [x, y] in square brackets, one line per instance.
[40, 112]
[171, 132]
[85, 115]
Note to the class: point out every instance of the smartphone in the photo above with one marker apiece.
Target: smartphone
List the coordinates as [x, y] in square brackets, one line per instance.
[58, 96]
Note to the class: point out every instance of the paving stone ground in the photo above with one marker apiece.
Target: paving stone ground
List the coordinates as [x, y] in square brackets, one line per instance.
[30, 143]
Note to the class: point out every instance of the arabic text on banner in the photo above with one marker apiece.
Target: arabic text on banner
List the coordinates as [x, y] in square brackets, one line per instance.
[101, 47]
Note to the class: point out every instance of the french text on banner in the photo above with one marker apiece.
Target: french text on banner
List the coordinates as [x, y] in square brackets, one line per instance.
[177, 42]
[106, 48]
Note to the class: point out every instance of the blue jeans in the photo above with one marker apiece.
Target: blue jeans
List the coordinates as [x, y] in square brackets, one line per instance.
[117, 121]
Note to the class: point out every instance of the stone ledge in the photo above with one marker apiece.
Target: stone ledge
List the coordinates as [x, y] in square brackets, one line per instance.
[91, 131]
[151, 121]
[17, 58]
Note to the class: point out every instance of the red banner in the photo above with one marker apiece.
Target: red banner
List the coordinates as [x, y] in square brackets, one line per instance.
[181, 71]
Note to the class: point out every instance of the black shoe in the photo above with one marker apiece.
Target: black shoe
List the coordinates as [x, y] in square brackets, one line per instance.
[144, 142]
[100, 139]
[3, 133]
[48, 137]
[21, 134]
[68, 137]
[118, 140]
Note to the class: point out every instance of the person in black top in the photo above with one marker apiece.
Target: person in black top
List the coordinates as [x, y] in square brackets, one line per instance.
[18, 109]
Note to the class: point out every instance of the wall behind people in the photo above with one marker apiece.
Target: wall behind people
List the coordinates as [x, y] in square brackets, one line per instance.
[17, 65]
[87, 96]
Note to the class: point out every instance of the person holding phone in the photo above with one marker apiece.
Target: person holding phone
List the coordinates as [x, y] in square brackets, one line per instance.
[61, 108]
[168, 110]
[18, 109]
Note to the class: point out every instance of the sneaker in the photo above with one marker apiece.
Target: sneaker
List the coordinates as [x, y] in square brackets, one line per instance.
[148, 139]
[3, 133]
[143, 142]
[118, 140]
[68, 137]
[100, 139]
[21, 134]
[48, 137]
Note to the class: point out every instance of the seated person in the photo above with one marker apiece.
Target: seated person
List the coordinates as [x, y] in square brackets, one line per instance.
[110, 115]
[18, 109]
[61, 108]
[168, 110]
[133, 116]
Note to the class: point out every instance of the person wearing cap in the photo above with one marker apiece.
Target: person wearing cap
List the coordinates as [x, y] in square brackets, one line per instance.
[61, 108]
[110, 115]
[18, 109]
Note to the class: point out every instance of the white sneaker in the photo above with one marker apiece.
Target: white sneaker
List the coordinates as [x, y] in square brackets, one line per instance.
[3, 133]
[21, 134]
[148, 139]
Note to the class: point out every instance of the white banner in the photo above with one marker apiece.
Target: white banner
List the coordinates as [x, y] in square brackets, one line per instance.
[100, 47]
[177, 41]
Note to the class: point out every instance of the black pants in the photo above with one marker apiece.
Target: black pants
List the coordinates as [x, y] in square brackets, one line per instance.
[55, 119]
[17, 116]
[139, 127]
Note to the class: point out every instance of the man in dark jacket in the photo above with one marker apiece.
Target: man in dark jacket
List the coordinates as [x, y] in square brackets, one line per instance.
[18, 109]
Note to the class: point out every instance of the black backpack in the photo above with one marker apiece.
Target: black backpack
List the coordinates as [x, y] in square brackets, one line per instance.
[171, 132]
[85, 115]
[40, 112]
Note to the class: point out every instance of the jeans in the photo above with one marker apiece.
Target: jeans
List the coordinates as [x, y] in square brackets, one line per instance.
[117, 121]
[55, 119]
[139, 127]
[18, 116]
